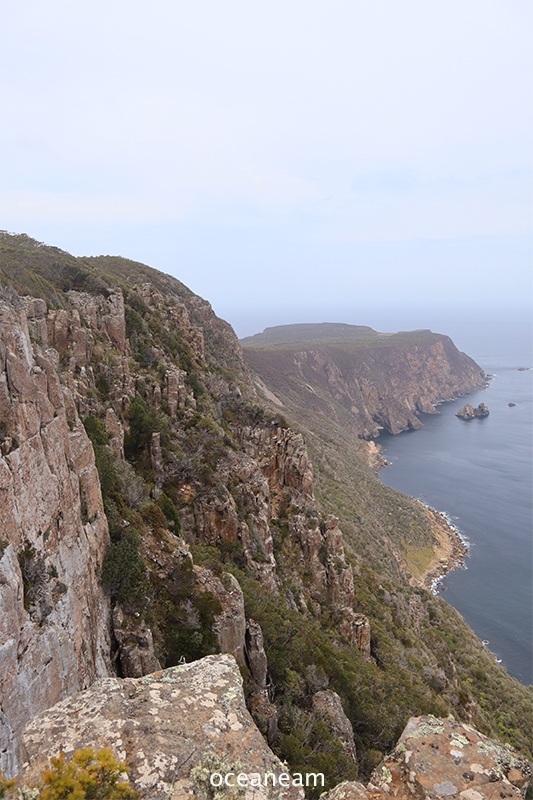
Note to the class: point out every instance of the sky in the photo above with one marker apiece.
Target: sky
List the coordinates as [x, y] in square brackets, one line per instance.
[363, 161]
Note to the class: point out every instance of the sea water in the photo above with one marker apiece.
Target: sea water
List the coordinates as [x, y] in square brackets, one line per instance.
[480, 473]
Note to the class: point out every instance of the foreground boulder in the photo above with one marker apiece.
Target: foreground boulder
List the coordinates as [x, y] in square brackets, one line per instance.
[442, 758]
[173, 729]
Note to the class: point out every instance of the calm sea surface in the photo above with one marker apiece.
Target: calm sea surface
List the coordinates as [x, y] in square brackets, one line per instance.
[480, 473]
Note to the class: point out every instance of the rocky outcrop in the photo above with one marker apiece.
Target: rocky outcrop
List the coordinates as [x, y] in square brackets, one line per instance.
[255, 653]
[438, 758]
[135, 646]
[327, 706]
[443, 757]
[175, 390]
[174, 729]
[468, 412]
[54, 616]
[230, 622]
[103, 315]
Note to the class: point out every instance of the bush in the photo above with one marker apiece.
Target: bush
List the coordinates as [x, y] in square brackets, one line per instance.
[5, 786]
[153, 515]
[143, 422]
[95, 430]
[124, 570]
[169, 510]
[102, 384]
[89, 774]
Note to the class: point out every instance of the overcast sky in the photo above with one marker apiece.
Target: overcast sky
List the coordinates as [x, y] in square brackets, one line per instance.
[288, 160]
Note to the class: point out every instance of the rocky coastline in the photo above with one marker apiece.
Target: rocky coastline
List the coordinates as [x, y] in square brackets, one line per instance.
[450, 551]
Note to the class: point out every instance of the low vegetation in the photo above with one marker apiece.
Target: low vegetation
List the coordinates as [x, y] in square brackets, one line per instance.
[87, 775]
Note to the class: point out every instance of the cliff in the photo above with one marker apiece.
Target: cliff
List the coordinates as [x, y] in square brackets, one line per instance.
[368, 381]
[54, 615]
[155, 511]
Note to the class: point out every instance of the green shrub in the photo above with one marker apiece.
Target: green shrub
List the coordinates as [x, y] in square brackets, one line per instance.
[154, 516]
[5, 786]
[169, 510]
[124, 569]
[196, 385]
[102, 384]
[94, 775]
[143, 422]
[95, 430]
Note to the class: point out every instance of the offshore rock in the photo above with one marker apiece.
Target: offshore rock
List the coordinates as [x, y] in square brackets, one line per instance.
[468, 412]
[173, 729]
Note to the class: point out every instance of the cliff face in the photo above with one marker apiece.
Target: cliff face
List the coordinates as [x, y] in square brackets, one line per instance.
[54, 617]
[212, 538]
[377, 383]
[341, 385]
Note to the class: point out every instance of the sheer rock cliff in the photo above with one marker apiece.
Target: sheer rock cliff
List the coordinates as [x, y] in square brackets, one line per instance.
[54, 616]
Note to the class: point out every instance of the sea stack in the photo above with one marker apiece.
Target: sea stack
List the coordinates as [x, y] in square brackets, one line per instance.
[468, 412]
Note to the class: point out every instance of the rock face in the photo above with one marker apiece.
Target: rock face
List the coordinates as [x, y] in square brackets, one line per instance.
[173, 729]
[255, 653]
[438, 758]
[136, 647]
[327, 706]
[54, 617]
[212, 469]
[468, 412]
[374, 387]
[230, 622]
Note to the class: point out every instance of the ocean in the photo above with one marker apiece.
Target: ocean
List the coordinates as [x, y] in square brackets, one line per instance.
[480, 473]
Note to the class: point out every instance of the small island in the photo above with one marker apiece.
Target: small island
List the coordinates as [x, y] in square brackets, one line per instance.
[468, 412]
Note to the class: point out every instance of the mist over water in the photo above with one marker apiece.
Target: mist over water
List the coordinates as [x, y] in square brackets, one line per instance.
[480, 473]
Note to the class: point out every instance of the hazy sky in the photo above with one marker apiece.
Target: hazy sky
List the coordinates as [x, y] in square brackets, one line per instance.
[289, 160]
